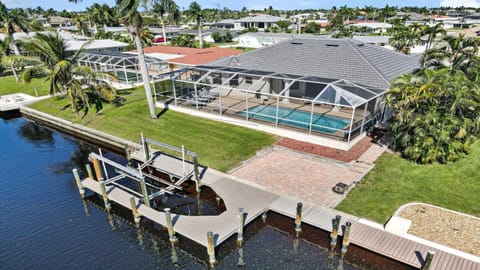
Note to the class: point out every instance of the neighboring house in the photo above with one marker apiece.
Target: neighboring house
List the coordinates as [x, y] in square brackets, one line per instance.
[371, 27]
[57, 21]
[303, 88]
[181, 57]
[473, 32]
[261, 39]
[97, 45]
[448, 22]
[75, 42]
[224, 24]
[261, 22]
[411, 18]
[41, 19]
[472, 19]
[169, 32]
[381, 41]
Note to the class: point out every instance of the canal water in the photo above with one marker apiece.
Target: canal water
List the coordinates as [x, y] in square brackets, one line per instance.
[44, 224]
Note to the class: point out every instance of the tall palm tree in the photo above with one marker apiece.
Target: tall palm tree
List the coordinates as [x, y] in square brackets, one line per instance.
[432, 32]
[63, 73]
[12, 19]
[195, 12]
[128, 14]
[161, 7]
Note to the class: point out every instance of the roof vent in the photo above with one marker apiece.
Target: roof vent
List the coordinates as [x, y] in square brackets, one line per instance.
[332, 45]
[296, 42]
[361, 45]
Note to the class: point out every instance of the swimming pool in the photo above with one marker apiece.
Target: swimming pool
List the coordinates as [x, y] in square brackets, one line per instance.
[296, 118]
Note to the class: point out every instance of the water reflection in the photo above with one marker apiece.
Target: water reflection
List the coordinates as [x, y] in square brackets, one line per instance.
[36, 134]
[78, 159]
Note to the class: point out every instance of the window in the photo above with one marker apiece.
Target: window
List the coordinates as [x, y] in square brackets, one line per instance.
[248, 80]
[295, 86]
[217, 78]
[234, 81]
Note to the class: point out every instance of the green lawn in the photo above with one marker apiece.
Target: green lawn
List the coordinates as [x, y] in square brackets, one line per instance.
[8, 85]
[395, 181]
[218, 145]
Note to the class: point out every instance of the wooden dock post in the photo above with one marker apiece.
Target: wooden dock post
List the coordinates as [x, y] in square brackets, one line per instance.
[105, 196]
[334, 234]
[211, 249]
[80, 187]
[346, 238]
[428, 260]
[171, 232]
[145, 147]
[143, 186]
[298, 219]
[98, 169]
[196, 173]
[136, 215]
[127, 153]
[89, 172]
[241, 223]
[174, 254]
[241, 260]
[264, 215]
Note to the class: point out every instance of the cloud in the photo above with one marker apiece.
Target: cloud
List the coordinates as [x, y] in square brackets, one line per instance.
[459, 3]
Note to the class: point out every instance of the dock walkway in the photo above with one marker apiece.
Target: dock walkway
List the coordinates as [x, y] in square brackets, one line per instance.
[254, 201]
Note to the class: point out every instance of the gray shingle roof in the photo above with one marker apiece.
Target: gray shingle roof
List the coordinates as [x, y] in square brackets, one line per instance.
[328, 58]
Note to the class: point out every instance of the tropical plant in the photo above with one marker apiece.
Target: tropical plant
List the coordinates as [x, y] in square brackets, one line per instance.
[79, 84]
[458, 53]
[432, 32]
[436, 115]
[195, 13]
[283, 24]
[11, 20]
[162, 7]
[128, 14]
[403, 38]
[183, 40]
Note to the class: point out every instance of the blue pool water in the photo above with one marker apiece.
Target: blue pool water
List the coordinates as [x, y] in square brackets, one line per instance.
[296, 118]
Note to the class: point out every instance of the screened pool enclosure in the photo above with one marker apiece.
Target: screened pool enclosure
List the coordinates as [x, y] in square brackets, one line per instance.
[334, 108]
[124, 66]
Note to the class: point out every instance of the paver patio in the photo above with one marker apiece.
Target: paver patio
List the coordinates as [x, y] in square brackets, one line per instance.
[305, 177]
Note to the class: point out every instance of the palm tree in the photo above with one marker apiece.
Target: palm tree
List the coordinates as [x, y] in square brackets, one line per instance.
[195, 12]
[77, 83]
[12, 19]
[128, 14]
[432, 32]
[437, 114]
[161, 7]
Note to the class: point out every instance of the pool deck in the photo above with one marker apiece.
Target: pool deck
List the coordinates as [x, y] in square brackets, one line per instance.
[237, 193]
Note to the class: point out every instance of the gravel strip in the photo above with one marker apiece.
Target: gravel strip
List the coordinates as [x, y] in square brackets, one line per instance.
[445, 227]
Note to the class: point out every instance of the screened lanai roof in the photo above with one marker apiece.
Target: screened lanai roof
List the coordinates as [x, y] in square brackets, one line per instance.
[127, 60]
[330, 91]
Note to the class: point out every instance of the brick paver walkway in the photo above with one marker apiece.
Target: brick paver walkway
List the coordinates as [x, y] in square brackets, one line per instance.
[346, 156]
[304, 176]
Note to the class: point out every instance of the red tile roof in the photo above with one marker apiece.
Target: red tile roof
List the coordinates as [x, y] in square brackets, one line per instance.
[193, 56]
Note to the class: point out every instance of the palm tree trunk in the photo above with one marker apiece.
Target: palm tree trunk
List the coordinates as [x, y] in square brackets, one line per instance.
[163, 31]
[200, 33]
[14, 73]
[145, 77]
[15, 47]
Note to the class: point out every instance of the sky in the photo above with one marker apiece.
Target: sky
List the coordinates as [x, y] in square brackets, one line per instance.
[252, 4]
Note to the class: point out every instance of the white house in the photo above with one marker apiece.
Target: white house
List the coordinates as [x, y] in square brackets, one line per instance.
[261, 22]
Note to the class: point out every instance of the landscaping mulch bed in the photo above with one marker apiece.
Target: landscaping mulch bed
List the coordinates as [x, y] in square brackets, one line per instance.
[345, 156]
[445, 227]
